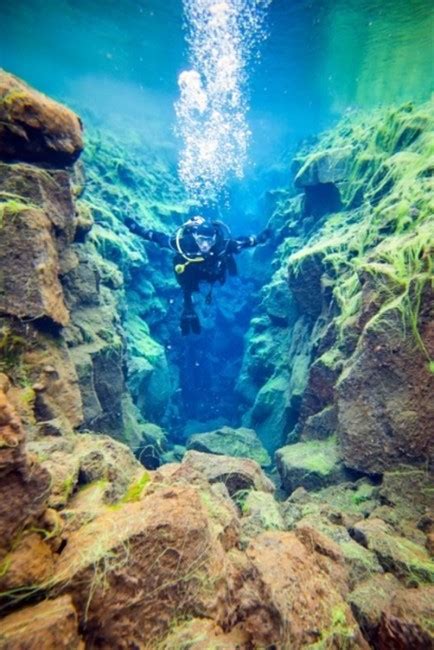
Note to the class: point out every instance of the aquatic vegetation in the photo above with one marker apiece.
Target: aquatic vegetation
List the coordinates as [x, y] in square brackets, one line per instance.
[397, 202]
[135, 490]
[167, 532]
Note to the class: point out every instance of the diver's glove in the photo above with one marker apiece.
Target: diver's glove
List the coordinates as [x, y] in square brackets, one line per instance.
[137, 229]
[264, 236]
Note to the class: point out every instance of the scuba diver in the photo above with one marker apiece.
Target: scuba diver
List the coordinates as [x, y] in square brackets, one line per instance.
[204, 252]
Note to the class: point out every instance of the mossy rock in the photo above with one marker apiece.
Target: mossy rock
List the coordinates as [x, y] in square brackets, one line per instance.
[398, 555]
[260, 512]
[312, 465]
[271, 412]
[329, 166]
[240, 442]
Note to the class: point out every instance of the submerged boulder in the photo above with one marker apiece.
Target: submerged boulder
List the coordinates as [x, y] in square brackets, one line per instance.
[236, 473]
[391, 425]
[404, 558]
[392, 616]
[272, 411]
[52, 625]
[292, 597]
[35, 128]
[260, 512]
[240, 442]
[135, 571]
[312, 465]
[407, 623]
[79, 460]
[328, 166]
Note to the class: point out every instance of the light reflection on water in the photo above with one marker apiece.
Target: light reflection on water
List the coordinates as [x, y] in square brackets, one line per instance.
[322, 56]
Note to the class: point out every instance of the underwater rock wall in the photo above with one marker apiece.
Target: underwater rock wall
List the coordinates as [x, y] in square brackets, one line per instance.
[66, 335]
[342, 346]
[39, 143]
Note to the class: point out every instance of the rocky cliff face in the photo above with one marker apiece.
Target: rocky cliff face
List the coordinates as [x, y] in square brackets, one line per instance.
[342, 346]
[68, 263]
[96, 551]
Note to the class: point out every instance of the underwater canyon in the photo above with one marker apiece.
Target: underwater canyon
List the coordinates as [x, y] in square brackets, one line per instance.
[267, 484]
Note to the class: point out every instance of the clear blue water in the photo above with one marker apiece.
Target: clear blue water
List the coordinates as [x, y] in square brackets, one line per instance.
[122, 58]
[117, 63]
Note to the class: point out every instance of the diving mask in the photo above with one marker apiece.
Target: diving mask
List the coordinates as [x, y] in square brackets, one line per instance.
[204, 242]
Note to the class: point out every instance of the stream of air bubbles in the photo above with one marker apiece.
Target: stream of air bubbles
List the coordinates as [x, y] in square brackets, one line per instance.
[223, 38]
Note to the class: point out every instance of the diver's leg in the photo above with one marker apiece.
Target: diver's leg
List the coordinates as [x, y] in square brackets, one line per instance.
[189, 318]
[187, 312]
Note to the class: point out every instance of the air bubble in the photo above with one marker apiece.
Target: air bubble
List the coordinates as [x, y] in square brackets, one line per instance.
[213, 104]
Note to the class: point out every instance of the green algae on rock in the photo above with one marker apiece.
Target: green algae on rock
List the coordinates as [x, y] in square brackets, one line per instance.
[360, 278]
[311, 465]
[231, 442]
[336, 365]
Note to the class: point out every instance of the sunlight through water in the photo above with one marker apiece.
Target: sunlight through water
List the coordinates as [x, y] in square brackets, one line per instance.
[223, 38]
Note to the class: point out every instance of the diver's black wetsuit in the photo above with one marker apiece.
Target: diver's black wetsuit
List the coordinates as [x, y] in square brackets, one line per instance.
[192, 266]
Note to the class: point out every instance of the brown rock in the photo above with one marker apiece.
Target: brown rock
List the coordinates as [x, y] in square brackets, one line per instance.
[12, 438]
[221, 510]
[50, 625]
[429, 544]
[29, 564]
[136, 569]
[397, 554]
[29, 282]
[236, 473]
[35, 128]
[408, 624]
[49, 190]
[314, 540]
[203, 634]
[287, 599]
[24, 486]
[391, 425]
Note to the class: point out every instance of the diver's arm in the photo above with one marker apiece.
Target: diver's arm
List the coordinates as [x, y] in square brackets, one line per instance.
[238, 244]
[159, 238]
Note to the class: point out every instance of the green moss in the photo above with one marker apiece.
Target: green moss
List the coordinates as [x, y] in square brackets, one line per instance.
[68, 486]
[5, 566]
[317, 456]
[12, 347]
[99, 484]
[389, 236]
[331, 358]
[364, 492]
[339, 634]
[136, 489]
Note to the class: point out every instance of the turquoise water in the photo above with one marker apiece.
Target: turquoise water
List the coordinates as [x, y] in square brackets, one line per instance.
[117, 63]
[322, 57]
